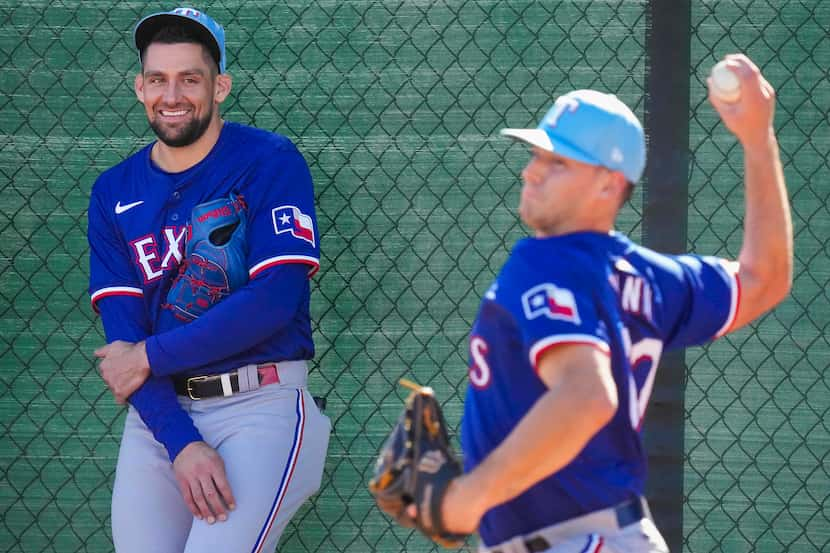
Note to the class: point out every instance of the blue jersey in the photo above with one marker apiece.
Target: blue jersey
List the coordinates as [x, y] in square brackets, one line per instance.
[584, 288]
[138, 228]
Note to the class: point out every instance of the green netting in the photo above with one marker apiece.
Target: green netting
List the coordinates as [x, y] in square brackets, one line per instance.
[396, 105]
[758, 402]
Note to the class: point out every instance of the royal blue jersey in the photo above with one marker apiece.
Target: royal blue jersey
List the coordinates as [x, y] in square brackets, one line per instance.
[590, 288]
[138, 227]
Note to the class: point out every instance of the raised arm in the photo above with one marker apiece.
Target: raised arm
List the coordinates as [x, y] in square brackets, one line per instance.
[766, 257]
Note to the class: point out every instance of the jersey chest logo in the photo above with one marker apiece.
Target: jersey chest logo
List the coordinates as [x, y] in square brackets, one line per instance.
[119, 209]
[550, 301]
[150, 260]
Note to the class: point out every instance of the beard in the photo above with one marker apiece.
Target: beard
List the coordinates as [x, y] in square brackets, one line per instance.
[183, 135]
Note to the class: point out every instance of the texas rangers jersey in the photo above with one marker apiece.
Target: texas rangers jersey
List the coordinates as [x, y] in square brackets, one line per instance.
[597, 289]
[138, 228]
[139, 218]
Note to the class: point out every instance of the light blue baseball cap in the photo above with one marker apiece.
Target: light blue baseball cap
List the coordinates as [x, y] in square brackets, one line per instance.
[211, 31]
[591, 127]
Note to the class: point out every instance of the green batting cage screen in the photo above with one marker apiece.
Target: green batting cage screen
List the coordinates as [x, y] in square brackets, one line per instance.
[396, 105]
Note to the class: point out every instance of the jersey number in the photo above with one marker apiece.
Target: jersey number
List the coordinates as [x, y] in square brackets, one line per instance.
[480, 373]
[645, 350]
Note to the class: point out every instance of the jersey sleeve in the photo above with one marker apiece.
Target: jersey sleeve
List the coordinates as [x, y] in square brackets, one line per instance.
[118, 299]
[155, 400]
[702, 303]
[559, 311]
[159, 408]
[110, 266]
[247, 317]
[282, 219]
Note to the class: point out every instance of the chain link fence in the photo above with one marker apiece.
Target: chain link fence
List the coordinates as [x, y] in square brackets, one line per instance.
[757, 472]
[397, 105]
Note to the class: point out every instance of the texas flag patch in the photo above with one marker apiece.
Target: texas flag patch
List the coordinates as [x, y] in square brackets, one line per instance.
[550, 301]
[289, 218]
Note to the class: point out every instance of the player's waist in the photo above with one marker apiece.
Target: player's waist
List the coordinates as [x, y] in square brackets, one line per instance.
[604, 521]
[246, 378]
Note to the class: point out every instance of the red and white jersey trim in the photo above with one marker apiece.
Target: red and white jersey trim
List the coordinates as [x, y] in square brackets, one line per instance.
[114, 291]
[731, 268]
[281, 259]
[545, 344]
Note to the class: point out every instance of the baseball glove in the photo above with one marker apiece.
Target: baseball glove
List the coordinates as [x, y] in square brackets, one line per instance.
[415, 466]
[214, 264]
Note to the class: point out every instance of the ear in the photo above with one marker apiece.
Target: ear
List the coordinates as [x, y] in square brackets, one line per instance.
[613, 186]
[222, 88]
[138, 86]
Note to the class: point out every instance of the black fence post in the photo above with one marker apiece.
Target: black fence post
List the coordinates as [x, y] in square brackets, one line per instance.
[665, 198]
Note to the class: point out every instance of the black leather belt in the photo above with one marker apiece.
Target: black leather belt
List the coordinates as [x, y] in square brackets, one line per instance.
[210, 385]
[627, 513]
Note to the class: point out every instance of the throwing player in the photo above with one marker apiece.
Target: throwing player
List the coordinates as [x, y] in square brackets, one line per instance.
[222, 441]
[567, 340]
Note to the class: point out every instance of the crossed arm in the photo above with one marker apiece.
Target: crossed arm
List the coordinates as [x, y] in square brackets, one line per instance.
[125, 367]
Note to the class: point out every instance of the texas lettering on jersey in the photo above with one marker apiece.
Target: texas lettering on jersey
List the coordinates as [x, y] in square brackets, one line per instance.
[153, 260]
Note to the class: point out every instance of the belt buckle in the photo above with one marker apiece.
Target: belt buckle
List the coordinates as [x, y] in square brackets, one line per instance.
[190, 389]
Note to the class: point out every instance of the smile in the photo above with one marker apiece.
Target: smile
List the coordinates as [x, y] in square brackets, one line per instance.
[169, 113]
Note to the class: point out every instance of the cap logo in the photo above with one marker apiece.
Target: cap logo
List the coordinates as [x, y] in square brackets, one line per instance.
[616, 155]
[562, 103]
[187, 12]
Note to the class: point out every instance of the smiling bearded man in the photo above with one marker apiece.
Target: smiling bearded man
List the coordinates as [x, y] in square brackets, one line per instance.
[201, 249]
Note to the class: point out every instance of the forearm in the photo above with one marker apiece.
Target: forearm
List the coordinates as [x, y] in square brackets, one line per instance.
[549, 436]
[767, 225]
[245, 318]
[159, 408]
[155, 400]
[766, 257]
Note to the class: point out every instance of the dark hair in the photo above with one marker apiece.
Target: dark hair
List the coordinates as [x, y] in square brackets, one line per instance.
[177, 33]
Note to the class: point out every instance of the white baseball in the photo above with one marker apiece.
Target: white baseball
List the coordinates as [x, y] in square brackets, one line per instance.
[725, 84]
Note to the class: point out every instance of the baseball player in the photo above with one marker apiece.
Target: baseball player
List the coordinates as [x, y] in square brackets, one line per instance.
[222, 442]
[567, 339]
